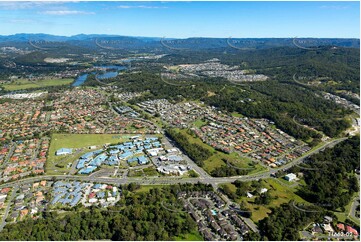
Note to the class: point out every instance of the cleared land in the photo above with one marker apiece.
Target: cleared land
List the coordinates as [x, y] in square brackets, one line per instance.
[280, 194]
[194, 236]
[216, 160]
[147, 188]
[58, 164]
[26, 84]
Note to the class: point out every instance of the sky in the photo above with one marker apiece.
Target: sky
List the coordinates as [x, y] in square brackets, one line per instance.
[184, 19]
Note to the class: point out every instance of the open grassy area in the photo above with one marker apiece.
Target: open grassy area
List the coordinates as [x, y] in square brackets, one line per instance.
[83, 140]
[75, 141]
[216, 160]
[26, 84]
[237, 115]
[193, 236]
[342, 216]
[61, 165]
[147, 188]
[199, 123]
[280, 194]
[148, 171]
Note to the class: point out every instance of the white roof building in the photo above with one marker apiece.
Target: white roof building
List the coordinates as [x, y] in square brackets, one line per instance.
[64, 151]
[290, 177]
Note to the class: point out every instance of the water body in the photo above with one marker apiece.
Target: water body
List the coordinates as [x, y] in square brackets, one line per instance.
[80, 80]
[118, 68]
[108, 74]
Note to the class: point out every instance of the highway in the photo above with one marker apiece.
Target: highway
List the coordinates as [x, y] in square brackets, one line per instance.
[203, 178]
[13, 193]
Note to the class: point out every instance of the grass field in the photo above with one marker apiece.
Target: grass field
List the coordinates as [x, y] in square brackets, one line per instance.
[148, 171]
[199, 123]
[147, 188]
[26, 84]
[342, 216]
[193, 236]
[237, 115]
[76, 141]
[280, 194]
[216, 159]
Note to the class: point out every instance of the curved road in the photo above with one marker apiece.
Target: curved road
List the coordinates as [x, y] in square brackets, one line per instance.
[170, 180]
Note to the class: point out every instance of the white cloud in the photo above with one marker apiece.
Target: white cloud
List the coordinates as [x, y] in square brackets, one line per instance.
[25, 5]
[140, 6]
[20, 21]
[66, 12]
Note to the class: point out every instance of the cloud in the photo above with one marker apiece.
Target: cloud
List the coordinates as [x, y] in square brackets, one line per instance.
[25, 5]
[66, 12]
[21, 21]
[140, 6]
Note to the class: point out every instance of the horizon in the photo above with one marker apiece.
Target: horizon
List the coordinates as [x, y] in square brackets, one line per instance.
[170, 37]
[184, 19]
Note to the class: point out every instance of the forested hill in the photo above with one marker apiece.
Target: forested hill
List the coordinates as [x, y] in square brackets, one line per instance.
[137, 216]
[329, 186]
[192, 43]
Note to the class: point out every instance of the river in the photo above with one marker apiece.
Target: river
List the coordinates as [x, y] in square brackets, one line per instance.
[107, 74]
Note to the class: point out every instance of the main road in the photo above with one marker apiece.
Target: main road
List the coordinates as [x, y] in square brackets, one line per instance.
[204, 178]
[7, 209]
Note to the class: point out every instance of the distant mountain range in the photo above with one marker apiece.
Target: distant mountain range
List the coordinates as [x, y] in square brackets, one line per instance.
[49, 37]
[116, 41]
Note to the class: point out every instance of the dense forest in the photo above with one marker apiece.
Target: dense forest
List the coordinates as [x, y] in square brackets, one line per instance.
[288, 105]
[281, 63]
[285, 222]
[330, 186]
[281, 99]
[137, 216]
[333, 181]
[194, 151]
[225, 170]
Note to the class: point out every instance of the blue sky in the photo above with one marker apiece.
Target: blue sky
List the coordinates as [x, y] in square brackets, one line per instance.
[184, 19]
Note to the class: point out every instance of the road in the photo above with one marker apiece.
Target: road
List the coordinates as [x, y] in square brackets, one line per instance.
[73, 169]
[328, 144]
[10, 153]
[235, 207]
[355, 203]
[195, 167]
[204, 177]
[13, 193]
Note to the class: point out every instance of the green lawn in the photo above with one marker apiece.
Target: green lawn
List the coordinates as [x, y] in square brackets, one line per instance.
[76, 141]
[148, 171]
[26, 84]
[280, 194]
[237, 115]
[216, 159]
[52, 165]
[84, 140]
[341, 216]
[199, 123]
[193, 236]
[147, 188]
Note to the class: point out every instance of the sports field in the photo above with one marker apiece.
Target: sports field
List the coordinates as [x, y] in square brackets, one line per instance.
[21, 84]
[81, 142]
